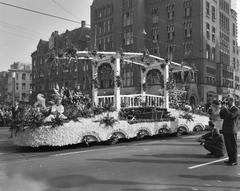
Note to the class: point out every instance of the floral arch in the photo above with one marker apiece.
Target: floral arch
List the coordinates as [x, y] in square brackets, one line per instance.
[105, 76]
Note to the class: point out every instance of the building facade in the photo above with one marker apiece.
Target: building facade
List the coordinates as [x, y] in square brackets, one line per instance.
[199, 33]
[19, 82]
[3, 86]
[52, 68]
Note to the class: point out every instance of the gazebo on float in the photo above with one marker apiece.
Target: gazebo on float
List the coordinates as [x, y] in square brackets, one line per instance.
[146, 62]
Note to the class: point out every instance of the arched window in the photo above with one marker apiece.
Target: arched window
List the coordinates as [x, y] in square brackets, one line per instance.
[105, 76]
[23, 76]
[154, 77]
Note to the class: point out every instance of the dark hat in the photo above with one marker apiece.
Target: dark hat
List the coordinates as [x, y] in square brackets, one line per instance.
[211, 124]
[215, 102]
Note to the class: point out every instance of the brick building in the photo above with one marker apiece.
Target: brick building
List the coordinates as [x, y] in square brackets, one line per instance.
[200, 33]
[48, 70]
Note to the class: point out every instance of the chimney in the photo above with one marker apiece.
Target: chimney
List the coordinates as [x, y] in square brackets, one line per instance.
[83, 24]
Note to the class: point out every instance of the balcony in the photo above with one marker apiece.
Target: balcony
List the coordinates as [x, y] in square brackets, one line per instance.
[134, 100]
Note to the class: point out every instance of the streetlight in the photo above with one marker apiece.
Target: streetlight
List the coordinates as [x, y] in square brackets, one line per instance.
[13, 88]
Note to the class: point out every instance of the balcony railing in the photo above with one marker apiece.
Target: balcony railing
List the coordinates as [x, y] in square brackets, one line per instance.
[134, 100]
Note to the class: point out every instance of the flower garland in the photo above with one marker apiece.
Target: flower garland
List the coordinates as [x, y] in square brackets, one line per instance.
[95, 82]
[144, 87]
[108, 121]
[118, 81]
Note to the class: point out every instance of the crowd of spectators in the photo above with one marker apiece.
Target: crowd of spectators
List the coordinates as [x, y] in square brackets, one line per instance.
[5, 115]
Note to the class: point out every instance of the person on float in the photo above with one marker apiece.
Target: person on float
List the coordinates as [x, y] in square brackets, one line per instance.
[56, 109]
[230, 116]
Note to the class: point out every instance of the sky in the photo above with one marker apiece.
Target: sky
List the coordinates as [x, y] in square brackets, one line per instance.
[20, 31]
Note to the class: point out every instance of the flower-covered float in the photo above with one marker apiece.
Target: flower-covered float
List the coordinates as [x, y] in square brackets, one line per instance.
[78, 118]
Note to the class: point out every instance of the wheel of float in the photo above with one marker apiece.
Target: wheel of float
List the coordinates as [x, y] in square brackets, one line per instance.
[181, 131]
[162, 132]
[197, 128]
[88, 139]
[116, 137]
[142, 133]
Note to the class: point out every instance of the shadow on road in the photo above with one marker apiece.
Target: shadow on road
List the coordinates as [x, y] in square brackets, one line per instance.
[214, 177]
[147, 161]
[168, 155]
[71, 181]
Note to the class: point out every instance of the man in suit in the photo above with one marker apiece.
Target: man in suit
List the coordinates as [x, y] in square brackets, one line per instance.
[213, 142]
[230, 115]
[16, 110]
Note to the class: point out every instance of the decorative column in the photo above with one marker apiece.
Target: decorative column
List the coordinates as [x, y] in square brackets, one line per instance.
[94, 88]
[117, 94]
[166, 79]
[143, 84]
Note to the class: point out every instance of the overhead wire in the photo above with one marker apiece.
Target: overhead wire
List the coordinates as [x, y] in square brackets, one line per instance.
[41, 13]
[59, 5]
[16, 34]
[20, 29]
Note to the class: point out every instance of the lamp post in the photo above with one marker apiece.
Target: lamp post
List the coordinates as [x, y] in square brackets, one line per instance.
[13, 88]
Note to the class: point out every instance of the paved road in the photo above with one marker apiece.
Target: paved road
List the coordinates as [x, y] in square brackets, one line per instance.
[169, 164]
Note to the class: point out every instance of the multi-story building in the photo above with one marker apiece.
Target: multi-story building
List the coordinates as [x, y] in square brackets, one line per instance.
[234, 55]
[200, 33]
[3, 86]
[19, 82]
[50, 68]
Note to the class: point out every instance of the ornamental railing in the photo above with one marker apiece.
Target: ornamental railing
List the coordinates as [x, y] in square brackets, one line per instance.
[106, 100]
[134, 100]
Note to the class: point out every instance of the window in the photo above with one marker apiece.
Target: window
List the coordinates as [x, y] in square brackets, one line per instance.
[128, 76]
[213, 14]
[187, 8]
[17, 86]
[106, 76]
[208, 31]
[170, 30]
[213, 54]
[128, 37]
[155, 35]
[16, 76]
[23, 76]
[23, 86]
[207, 51]
[207, 9]
[170, 51]
[127, 18]
[234, 29]
[170, 12]
[187, 11]
[213, 34]
[187, 48]
[233, 46]
[154, 15]
[154, 77]
[188, 29]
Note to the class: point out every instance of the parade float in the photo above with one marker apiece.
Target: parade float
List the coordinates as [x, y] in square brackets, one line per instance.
[105, 116]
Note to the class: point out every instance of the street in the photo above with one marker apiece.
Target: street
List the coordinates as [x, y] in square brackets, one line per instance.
[157, 164]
